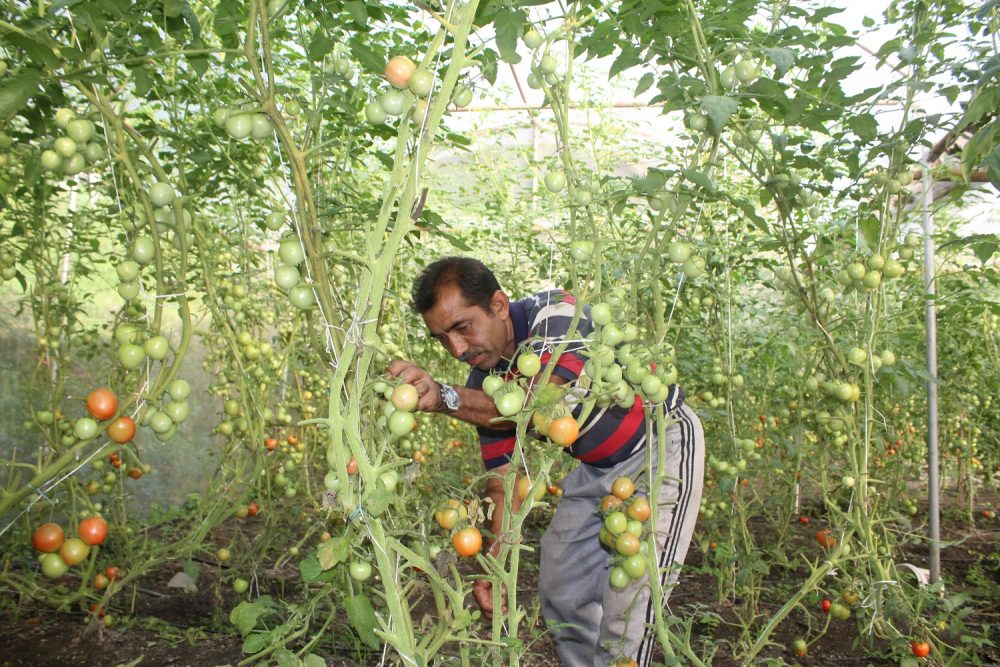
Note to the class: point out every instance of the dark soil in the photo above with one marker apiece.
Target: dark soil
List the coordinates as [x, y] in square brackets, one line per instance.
[169, 627]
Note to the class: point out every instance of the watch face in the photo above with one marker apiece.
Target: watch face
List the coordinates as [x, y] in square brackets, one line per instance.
[450, 397]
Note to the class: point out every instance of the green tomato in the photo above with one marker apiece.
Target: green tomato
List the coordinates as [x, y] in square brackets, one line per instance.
[179, 390]
[528, 364]
[401, 422]
[600, 314]
[290, 251]
[728, 78]
[286, 277]
[74, 165]
[178, 411]
[616, 523]
[53, 566]
[131, 356]
[678, 252]
[127, 271]
[532, 39]
[547, 64]
[393, 102]
[360, 570]
[260, 126]
[555, 181]
[240, 586]
[85, 428]
[492, 384]
[375, 113]
[421, 82]
[239, 125]
[301, 296]
[509, 404]
[581, 251]
[80, 130]
[390, 480]
[65, 147]
[51, 160]
[128, 291]
[697, 122]
[746, 71]
[618, 578]
[157, 347]
[462, 96]
[275, 220]
[143, 250]
[161, 194]
[635, 565]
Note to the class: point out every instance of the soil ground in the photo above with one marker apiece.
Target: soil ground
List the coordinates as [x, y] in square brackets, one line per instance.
[172, 628]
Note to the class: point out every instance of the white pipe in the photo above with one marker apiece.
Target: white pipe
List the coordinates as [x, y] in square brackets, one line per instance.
[930, 318]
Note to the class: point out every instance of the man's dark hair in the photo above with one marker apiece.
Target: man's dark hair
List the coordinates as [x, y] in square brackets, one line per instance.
[478, 284]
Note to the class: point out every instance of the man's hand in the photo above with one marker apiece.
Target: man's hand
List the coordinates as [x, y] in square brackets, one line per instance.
[428, 389]
[482, 590]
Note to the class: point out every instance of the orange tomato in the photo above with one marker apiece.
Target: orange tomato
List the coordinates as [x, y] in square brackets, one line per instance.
[48, 537]
[122, 430]
[398, 71]
[564, 430]
[93, 530]
[610, 502]
[467, 542]
[623, 488]
[271, 444]
[102, 404]
[639, 508]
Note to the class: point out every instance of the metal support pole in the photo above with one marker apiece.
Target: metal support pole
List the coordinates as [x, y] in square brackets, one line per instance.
[930, 319]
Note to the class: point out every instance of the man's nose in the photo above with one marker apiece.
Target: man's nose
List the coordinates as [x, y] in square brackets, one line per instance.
[457, 346]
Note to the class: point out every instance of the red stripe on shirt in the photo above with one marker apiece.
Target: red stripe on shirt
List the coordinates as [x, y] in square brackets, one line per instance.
[498, 448]
[567, 360]
[630, 424]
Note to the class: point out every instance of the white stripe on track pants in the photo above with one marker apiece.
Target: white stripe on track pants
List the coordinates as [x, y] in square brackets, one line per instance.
[593, 624]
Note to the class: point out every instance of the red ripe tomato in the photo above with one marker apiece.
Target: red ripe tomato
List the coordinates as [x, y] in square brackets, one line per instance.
[93, 530]
[122, 430]
[826, 539]
[920, 649]
[111, 572]
[803, 519]
[48, 538]
[564, 430]
[102, 404]
[468, 541]
[253, 508]
[352, 466]
[826, 604]
[135, 473]
[271, 444]
[398, 71]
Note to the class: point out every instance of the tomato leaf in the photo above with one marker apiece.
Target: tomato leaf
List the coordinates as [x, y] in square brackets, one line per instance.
[377, 501]
[362, 616]
[368, 58]
[357, 10]
[645, 82]
[319, 45]
[333, 551]
[699, 179]
[783, 59]
[508, 24]
[16, 91]
[245, 615]
[313, 660]
[719, 108]
[256, 642]
[871, 230]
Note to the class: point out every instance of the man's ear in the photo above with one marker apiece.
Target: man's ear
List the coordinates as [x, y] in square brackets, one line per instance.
[500, 304]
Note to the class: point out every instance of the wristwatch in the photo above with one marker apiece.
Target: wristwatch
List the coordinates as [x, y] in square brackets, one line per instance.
[449, 398]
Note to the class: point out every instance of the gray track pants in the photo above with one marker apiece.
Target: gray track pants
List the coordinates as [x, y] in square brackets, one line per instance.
[592, 623]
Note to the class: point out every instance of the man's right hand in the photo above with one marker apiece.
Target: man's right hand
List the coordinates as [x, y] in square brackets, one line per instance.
[428, 389]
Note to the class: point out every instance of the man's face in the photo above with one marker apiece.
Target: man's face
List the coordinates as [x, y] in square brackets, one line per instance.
[469, 333]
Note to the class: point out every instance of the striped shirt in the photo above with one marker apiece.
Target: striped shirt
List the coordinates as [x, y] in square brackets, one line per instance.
[609, 435]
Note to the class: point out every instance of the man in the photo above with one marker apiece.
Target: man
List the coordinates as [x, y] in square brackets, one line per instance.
[593, 624]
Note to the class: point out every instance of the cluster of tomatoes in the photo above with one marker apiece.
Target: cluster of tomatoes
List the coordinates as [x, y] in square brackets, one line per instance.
[399, 419]
[468, 541]
[240, 123]
[71, 152]
[411, 86]
[625, 515]
[57, 554]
